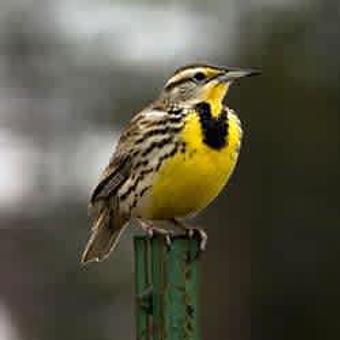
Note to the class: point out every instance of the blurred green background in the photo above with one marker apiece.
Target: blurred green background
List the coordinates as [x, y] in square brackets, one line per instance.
[72, 72]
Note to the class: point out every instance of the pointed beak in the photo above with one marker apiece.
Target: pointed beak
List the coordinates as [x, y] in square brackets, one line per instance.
[233, 74]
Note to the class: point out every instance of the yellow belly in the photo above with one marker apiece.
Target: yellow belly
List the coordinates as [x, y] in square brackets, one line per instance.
[189, 181]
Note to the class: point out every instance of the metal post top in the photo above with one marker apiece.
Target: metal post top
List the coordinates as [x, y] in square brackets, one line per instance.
[174, 237]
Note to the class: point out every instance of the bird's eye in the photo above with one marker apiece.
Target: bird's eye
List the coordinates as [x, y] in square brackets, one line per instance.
[199, 76]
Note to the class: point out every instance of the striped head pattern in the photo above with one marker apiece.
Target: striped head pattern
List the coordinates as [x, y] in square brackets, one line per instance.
[195, 83]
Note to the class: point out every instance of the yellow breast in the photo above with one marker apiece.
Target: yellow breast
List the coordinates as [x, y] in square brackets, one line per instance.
[190, 180]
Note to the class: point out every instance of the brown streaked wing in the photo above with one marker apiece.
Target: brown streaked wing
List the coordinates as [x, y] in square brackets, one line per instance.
[126, 154]
[114, 176]
[117, 172]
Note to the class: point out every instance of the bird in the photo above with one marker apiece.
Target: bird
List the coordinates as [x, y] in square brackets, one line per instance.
[172, 159]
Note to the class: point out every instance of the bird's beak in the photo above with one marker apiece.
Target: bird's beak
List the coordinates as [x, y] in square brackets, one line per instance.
[234, 74]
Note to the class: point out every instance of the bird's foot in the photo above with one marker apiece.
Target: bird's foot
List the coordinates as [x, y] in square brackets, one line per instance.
[193, 232]
[200, 234]
[167, 234]
[152, 230]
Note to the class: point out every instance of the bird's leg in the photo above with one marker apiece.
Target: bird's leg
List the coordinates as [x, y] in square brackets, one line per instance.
[152, 230]
[192, 231]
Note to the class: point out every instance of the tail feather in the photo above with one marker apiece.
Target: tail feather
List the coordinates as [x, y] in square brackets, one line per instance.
[105, 236]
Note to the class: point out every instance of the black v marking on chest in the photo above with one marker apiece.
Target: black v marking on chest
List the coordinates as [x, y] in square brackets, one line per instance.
[214, 129]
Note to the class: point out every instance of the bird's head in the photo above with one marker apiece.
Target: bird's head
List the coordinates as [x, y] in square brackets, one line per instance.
[195, 83]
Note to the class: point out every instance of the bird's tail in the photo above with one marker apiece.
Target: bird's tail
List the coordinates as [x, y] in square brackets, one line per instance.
[106, 233]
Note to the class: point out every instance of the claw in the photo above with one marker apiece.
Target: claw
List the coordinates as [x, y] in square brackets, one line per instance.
[164, 233]
[201, 234]
[192, 232]
[168, 240]
[151, 231]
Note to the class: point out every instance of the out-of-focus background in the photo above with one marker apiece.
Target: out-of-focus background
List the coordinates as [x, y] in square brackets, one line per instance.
[73, 72]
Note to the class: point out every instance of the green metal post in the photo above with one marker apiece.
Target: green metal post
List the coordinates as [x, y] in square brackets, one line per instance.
[167, 288]
[143, 289]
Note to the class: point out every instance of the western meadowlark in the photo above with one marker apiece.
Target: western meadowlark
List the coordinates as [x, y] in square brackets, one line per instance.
[172, 159]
